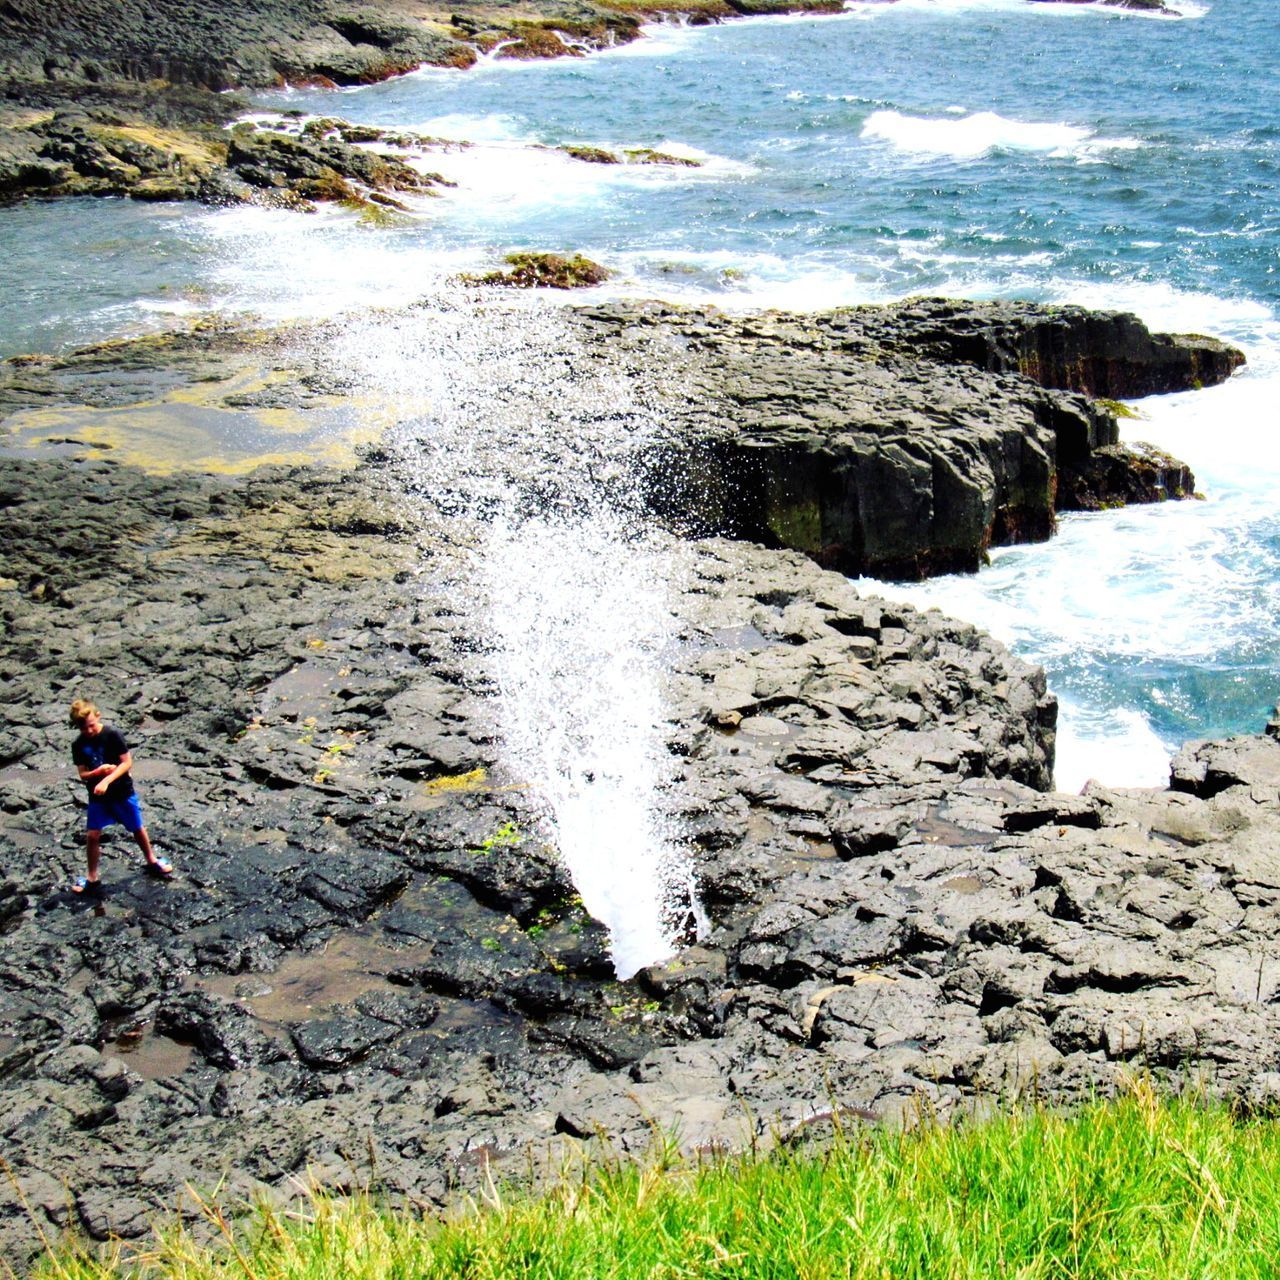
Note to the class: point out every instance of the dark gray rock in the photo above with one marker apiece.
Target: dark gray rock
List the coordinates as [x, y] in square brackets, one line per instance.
[905, 441]
[333, 1044]
[370, 953]
[225, 1034]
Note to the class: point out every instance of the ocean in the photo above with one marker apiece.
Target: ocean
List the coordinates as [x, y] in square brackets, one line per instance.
[975, 148]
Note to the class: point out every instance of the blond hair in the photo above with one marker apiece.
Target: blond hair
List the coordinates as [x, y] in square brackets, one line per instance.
[81, 710]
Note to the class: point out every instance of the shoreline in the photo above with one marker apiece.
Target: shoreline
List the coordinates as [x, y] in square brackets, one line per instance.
[155, 127]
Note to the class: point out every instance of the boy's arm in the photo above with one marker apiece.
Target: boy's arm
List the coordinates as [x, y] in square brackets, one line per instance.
[114, 771]
[87, 774]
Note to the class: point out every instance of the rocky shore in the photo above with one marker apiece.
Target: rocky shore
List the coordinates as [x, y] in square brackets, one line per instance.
[138, 99]
[374, 970]
[897, 441]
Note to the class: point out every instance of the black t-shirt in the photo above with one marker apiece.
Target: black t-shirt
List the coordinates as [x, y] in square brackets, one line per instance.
[107, 746]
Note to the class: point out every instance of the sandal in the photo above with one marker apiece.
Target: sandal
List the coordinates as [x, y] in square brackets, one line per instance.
[86, 887]
[161, 868]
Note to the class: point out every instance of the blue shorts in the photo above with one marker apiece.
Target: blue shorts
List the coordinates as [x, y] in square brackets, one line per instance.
[102, 812]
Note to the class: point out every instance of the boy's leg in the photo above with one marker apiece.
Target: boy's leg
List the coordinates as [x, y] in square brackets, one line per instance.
[130, 815]
[144, 843]
[96, 817]
[93, 853]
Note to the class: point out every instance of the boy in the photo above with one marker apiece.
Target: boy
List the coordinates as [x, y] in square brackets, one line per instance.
[103, 761]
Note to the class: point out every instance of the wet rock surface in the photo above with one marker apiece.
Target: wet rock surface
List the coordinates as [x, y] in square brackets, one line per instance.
[371, 965]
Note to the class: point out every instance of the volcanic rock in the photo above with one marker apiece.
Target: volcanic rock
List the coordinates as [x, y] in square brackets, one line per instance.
[372, 962]
[906, 440]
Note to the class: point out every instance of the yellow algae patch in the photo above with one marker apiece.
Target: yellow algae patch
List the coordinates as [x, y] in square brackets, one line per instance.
[16, 117]
[195, 429]
[475, 780]
[462, 783]
[191, 150]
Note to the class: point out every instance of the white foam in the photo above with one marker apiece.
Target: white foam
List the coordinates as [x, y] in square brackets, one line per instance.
[580, 616]
[1168, 597]
[1163, 306]
[282, 265]
[1117, 747]
[1164, 583]
[710, 164]
[498, 180]
[981, 133]
[170, 306]
[1223, 432]
[1177, 11]
[656, 40]
[740, 281]
[275, 120]
[461, 127]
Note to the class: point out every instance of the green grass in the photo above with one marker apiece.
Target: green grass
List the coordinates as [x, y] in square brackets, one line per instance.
[1136, 1188]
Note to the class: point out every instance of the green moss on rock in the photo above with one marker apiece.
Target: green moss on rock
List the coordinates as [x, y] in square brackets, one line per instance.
[591, 155]
[544, 271]
[646, 155]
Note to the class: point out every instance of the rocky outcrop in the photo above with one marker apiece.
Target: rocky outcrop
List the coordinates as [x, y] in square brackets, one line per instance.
[288, 162]
[67, 50]
[906, 440]
[314, 165]
[258, 43]
[838, 435]
[544, 271]
[1119, 475]
[635, 155]
[102, 153]
[251, 43]
[1104, 354]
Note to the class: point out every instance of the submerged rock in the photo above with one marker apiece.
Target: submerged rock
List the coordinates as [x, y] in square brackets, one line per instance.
[545, 271]
[1149, 6]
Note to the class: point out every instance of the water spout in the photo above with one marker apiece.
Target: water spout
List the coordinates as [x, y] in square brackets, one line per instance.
[507, 427]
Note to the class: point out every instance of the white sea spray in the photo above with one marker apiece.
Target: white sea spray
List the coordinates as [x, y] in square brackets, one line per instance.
[501, 422]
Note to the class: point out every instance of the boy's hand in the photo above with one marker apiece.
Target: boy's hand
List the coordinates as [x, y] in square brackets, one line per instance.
[101, 788]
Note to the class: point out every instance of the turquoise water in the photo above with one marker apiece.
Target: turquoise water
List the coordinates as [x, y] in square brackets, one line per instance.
[996, 148]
